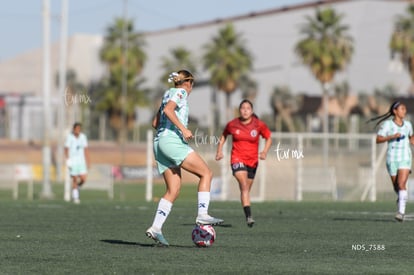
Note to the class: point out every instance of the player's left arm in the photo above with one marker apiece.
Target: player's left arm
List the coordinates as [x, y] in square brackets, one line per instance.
[268, 136]
[86, 153]
[87, 159]
[412, 140]
[410, 134]
[219, 153]
[266, 148]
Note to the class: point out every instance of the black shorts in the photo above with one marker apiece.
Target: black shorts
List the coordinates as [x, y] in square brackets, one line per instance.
[240, 166]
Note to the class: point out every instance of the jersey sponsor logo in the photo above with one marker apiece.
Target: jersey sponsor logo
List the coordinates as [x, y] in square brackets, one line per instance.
[253, 133]
[181, 94]
[400, 138]
[237, 132]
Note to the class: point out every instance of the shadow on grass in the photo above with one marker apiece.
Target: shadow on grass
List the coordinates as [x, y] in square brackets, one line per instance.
[120, 242]
[218, 225]
[364, 220]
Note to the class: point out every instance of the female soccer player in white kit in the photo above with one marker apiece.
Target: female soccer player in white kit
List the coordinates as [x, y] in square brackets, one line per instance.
[398, 133]
[77, 159]
[172, 153]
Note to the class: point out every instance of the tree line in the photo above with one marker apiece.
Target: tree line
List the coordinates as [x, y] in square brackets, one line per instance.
[325, 48]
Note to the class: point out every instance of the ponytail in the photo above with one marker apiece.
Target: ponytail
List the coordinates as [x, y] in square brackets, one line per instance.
[387, 115]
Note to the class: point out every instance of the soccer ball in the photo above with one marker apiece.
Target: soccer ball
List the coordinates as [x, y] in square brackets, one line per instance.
[203, 235]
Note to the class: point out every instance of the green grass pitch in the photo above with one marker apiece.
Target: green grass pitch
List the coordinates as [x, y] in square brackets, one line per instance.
[107, 237]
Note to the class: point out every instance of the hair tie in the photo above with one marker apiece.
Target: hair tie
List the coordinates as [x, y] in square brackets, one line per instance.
[172, 76]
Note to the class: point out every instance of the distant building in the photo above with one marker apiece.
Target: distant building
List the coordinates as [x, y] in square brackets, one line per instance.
[23, 74]
[270, 35]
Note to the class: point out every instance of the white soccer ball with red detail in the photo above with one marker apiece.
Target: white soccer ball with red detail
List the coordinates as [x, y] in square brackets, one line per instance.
[203, 235]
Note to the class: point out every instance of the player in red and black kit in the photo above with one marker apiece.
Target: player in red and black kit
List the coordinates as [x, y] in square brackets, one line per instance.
[246, 131]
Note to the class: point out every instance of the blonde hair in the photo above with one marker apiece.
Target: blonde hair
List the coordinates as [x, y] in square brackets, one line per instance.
[178, 78]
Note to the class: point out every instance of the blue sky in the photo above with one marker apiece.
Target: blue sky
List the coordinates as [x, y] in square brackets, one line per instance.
[21, 20]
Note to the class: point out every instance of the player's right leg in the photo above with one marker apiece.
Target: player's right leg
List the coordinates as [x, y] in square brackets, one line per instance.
[156, 236]
[172, 178]
[393, 172]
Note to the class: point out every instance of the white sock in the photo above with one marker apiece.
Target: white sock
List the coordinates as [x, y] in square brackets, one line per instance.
[203, 202]
[402, 200]
[163, 210]
[75, 194]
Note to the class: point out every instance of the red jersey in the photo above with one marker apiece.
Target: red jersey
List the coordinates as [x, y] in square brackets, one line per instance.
[246, 140]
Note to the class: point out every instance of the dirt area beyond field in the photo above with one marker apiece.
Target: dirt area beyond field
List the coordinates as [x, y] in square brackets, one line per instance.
[100, 153]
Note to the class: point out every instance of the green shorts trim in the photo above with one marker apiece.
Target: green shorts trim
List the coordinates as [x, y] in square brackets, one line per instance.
[170, 151]
[394, 166]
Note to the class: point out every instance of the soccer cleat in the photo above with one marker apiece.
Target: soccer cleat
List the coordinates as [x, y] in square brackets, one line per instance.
[399, 217]
[157, 237]
[207, 219]
[76, 201]
[250, 221]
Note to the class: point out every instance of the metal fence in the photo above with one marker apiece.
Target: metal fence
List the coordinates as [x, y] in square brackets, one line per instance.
[306, 166]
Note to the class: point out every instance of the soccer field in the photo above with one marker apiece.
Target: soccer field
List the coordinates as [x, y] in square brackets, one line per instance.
[107, 237]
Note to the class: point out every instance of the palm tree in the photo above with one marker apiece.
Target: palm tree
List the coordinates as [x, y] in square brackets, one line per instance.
[227, 59]
[402, 40]
[383, 97]
[180, 58]
[248, 88]
[122, 50]
[326, 49]
[345, 102]
[284, 104]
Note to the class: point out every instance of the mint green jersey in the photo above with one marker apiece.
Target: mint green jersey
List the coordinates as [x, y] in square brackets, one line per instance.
[76, 148]
[165, 126]
[398, 149]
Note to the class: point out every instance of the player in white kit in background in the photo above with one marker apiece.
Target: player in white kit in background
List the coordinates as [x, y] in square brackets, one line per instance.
[77, 159]
[398, 133]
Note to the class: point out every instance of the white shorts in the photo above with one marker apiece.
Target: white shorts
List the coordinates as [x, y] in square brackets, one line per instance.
[394, 166]
[77, 169]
